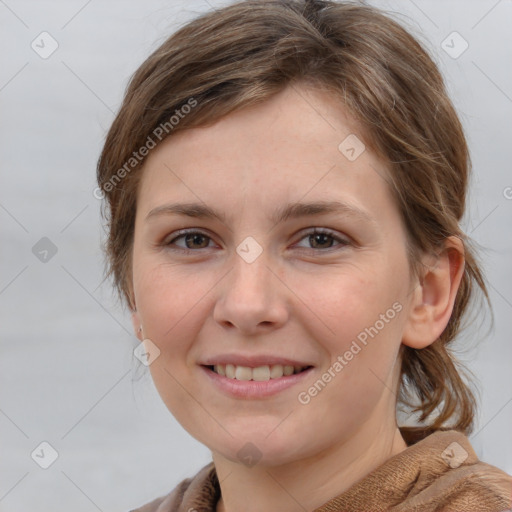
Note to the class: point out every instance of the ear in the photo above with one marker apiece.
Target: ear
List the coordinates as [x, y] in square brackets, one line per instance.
[137, 324]
[433, 298]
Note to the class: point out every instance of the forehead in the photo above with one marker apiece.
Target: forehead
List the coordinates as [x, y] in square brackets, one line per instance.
[299, 144]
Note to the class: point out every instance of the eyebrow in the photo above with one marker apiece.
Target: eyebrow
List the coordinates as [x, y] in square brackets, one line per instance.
[289, 211]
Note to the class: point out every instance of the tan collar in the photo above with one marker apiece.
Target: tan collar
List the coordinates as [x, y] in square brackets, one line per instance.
[439, 471]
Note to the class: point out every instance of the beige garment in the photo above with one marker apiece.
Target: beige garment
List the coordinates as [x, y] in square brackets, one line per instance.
[440, 473]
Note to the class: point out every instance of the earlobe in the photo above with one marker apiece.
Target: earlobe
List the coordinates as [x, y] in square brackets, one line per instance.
[432, 301]
[137, 326]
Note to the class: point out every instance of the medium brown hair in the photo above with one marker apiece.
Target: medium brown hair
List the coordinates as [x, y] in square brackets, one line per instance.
[244, 53]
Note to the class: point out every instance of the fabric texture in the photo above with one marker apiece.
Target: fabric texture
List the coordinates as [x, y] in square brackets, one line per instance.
[440, 473]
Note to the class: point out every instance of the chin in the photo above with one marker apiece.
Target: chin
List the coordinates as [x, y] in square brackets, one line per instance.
[251, 454]
[259, 447]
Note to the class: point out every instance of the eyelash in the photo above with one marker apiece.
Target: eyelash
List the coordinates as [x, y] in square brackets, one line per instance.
[314, 231]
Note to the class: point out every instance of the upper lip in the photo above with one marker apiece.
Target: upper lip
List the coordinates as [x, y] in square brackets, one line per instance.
[251, 361]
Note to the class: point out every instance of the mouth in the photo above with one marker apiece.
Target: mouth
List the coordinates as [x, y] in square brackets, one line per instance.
[254, 376]
[258, 373]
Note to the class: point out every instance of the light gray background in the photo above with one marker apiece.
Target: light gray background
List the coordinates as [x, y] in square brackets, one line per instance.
[67, 372]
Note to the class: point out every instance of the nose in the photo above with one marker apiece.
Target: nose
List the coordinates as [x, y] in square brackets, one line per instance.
[252, 297]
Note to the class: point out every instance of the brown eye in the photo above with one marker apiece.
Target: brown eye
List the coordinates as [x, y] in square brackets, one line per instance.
[323, 240]
[319, 240]
[193, 240]
[196, 238]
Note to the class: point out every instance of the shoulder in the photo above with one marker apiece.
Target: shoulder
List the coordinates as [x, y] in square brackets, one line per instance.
[451, 475]
[168, 502]
[187, 489]
[439, 473]
[482, 483]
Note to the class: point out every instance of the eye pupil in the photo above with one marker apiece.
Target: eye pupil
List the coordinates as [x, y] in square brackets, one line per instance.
[195, 237]
[316, 236]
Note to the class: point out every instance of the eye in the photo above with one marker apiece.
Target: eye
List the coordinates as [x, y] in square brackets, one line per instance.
[321, 238]
[192, 239]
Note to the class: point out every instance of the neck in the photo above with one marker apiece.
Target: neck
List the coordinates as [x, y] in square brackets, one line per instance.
[308, 483]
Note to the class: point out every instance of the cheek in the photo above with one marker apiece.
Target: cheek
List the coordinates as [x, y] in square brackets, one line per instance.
[166, 299]
[169, 305]
[345, 302]
[358, 318]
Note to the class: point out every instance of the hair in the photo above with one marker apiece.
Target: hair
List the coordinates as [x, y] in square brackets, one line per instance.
[241, 55]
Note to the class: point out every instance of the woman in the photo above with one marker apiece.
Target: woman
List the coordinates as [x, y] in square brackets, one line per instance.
[285, 181]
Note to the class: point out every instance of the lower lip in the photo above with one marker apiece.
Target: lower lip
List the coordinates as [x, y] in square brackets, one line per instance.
[253, 388]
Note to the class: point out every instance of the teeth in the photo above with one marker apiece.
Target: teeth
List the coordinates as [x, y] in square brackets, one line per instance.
[230, 371]
[276, 371]
[260, 373]
[243, 373]
[288, 370]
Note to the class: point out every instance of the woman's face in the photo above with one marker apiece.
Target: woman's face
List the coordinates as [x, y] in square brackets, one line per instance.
[254, 288]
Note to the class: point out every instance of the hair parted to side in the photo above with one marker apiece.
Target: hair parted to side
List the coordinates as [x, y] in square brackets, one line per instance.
[244, 53]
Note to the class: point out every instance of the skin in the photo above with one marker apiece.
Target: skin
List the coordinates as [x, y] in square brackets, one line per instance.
[298, 299]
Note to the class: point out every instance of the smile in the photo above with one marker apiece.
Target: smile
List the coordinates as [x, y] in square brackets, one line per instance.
[258, 382]
[258, 373]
